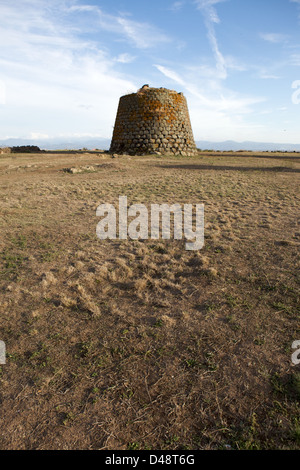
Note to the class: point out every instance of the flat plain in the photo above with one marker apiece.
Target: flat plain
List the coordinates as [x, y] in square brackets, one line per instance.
[141, 344]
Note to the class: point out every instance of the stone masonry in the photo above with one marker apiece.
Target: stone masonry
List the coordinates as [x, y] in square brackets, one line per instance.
[153, 120]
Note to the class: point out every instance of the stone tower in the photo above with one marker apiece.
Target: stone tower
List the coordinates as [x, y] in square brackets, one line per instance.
[153, 120]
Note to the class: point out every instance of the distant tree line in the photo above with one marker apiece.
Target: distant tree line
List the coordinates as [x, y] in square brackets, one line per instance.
[26, 149]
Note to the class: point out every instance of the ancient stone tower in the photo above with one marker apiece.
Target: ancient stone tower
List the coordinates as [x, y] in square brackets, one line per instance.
[153, 120]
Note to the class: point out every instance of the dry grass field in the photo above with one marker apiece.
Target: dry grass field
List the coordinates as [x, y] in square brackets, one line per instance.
[123, 344]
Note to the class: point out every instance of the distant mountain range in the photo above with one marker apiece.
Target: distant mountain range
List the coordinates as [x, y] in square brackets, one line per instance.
[57, 144]
[248, 145]
[104, 144]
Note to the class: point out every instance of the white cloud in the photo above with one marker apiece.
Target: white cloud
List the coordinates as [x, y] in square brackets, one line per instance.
[53, 78]
[140, 34]
[37, 136]
[298, 4]
[62, 69]
[216, 98]
[82, 8]
[208, 7]
[268, 76]
[170, 74]
[176, 6]
[211, 18]
[214, 109]
[125, 58]
[295, 60]
[275, 38]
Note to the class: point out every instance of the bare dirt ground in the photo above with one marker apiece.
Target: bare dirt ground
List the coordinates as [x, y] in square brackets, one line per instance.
[142, 344]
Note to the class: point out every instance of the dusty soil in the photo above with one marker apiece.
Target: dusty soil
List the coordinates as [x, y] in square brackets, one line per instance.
[141, 344]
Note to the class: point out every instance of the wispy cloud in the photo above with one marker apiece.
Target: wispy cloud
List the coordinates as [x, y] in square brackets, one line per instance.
[176, 6]
[215, 98]
[296, 1]
[269, 76]
[298, 4]
[141, 35]
[65, 63]
[275, 38]
[295, 60]
[211, 104]
[125, 58]
[169, 73]
[53, 74]
[59, 65]
[207, 7]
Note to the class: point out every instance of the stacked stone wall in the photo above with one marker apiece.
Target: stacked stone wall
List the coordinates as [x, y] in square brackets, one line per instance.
[153, 120]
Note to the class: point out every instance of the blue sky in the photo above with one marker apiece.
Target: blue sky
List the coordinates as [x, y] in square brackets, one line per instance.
[64, 65]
